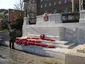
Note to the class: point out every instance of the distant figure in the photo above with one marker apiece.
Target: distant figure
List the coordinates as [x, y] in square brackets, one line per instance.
[12, 35]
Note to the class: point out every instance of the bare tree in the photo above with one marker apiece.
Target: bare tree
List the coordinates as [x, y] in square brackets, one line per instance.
[20, 5]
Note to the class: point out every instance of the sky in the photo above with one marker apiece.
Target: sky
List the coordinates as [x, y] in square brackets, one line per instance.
[7, 4]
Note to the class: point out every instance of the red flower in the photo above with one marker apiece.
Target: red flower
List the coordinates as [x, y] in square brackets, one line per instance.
[17, 40]
[24, 41]
[49, 46]
[42, 45]
[42, 36]
[37, 41]
[20, 42]
[37, 44]
[32, 43]
[52, 40]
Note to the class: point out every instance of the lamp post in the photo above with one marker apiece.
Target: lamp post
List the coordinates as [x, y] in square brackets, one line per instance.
[79, 5]
[72, 5]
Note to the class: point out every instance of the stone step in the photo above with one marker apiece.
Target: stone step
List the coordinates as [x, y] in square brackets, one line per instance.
[65, 46]
[55, 42]
[61, 42]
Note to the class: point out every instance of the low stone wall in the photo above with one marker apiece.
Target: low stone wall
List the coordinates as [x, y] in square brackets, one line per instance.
[73, 59]
[4, 35]
[75, 32]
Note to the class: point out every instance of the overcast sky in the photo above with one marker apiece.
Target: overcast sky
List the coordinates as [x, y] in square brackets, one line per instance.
[6, 4]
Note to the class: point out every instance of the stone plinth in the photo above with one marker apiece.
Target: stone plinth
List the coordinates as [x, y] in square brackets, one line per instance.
[51, 31]
[82, 16]
[25, 21]
[52, 19]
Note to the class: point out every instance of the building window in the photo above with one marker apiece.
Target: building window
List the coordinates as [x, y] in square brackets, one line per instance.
[29, 2]
[54, 11]
[49, 4]
[45, 5]
[41, 6]
[33, 1]
[66, 10]
[41, 0]
[59, 1]
[54, 3]
[65, 1]
[70, 0]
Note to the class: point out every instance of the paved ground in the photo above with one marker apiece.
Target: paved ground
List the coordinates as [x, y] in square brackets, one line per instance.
[10, 56]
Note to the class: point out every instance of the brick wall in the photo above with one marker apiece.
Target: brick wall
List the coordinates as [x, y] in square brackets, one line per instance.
[55, 5]
[14, 15]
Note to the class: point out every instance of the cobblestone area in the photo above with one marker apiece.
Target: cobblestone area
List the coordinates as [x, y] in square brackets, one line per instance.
[18, 57]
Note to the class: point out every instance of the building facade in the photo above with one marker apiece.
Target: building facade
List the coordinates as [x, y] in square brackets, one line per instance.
[57, 6]
[39, 7]
[51, 6]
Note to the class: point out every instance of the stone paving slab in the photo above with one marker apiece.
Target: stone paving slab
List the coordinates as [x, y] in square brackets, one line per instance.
[72, 59]
[18, 57]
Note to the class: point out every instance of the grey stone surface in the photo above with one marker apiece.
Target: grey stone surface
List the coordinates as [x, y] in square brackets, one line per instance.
[11, 56]
[3, 61]
[72, 59]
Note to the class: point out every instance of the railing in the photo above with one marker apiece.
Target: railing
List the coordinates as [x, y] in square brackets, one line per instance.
[70, 17]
